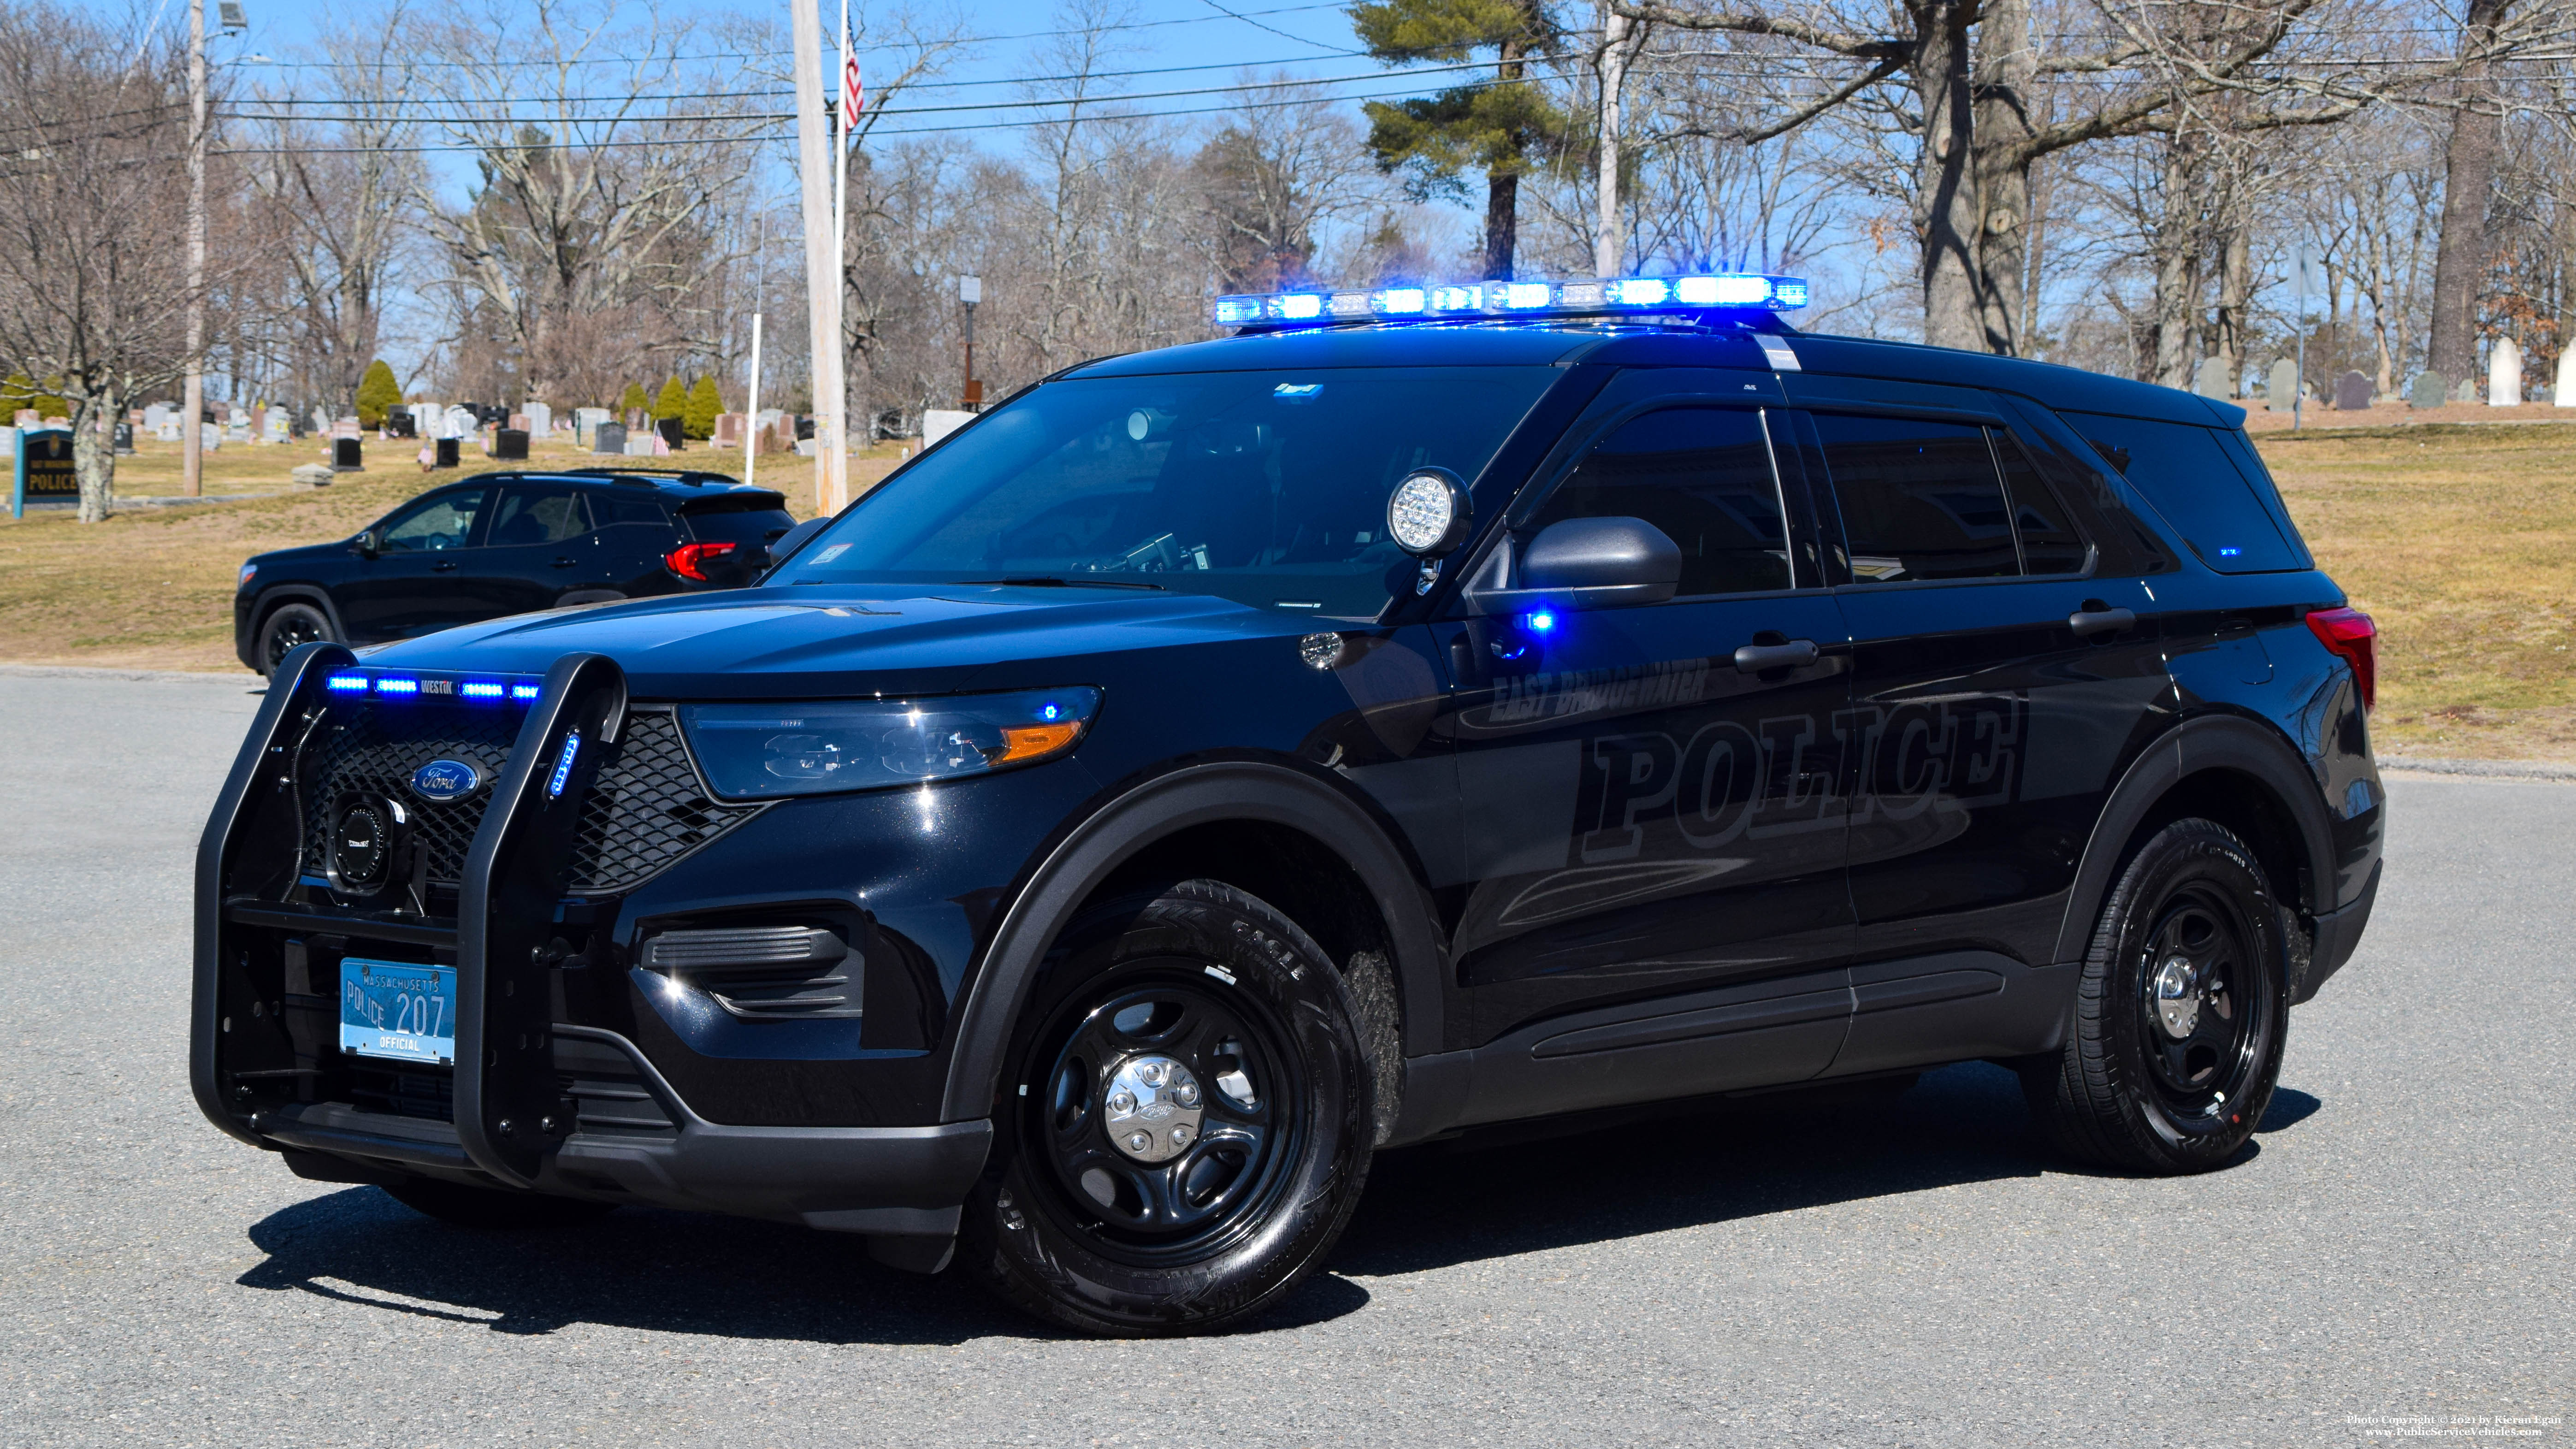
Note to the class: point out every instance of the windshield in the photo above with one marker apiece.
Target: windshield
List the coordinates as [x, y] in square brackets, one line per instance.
[1268, 488]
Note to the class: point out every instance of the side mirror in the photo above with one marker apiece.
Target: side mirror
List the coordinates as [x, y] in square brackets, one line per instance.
[368, 544]
[785, 545]
[1590, 563]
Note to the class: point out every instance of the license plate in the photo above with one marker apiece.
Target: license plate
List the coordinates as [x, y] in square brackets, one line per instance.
[398, 1009]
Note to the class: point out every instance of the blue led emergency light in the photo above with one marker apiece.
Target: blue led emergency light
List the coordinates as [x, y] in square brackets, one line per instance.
[410, 687]
[1609, 296]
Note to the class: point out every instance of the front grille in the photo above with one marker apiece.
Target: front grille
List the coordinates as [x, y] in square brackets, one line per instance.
[647, 809]
[402, 1091]
[608, 1093]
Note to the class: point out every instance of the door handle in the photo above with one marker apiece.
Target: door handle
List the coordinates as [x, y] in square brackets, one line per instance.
[442, 566]
[2097, 617]
[565, 563]
[1796, 654]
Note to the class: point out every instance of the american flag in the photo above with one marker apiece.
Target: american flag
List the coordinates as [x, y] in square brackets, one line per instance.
[854, 97]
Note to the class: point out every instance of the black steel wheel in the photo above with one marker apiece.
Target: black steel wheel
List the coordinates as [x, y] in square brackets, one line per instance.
[288, 627]
[1188, 1124]
[2181, 1013]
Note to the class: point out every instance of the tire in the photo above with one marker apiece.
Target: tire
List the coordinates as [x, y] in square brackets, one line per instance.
[486, 1207]
[2180, 1015]
[1098, 1212]
[287, 626]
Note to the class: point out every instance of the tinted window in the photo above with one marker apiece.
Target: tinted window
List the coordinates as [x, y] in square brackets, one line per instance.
[1919, 499]
[612, 509]
[1703, 476]
[444, 520]
[1268, 488]
[2050, 543]
[747, 526]
[2190, 479]
[538, 515]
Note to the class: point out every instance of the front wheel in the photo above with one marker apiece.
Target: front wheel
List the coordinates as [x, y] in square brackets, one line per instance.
[286, 628]
[2180, 1015]
[1187, 1124]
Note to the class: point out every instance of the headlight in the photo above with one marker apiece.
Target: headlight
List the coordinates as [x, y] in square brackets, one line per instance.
[249, 572]
[751, 750]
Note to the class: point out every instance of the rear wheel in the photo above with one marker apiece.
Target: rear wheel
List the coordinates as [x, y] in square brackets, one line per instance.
[1187, 1124]
[287, 627]
[485, 1207]
[2181, 1013]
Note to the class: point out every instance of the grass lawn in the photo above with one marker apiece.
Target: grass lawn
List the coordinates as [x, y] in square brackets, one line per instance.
[2460, 540]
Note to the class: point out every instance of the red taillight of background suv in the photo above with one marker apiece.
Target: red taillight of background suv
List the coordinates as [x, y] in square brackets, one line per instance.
[2350, 633]
[689, 558]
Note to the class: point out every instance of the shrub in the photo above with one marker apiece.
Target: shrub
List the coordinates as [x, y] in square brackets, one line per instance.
[634, 401]
[377, 391]
[705, 403]
[673, 403]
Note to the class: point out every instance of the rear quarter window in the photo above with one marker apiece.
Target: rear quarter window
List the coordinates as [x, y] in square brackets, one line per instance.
[2192, 475]
[753, 523]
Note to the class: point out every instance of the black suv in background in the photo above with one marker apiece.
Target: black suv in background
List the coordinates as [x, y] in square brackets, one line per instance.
[1214, 765]
[507, 543]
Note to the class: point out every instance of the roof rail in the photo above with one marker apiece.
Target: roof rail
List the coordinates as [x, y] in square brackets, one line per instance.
[692, 477]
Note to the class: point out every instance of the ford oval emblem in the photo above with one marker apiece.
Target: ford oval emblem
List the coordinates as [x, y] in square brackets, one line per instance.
[445, 780]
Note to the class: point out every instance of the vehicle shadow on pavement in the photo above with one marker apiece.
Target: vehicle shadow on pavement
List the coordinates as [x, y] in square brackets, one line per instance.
[656, 1270]
[1430, 1207]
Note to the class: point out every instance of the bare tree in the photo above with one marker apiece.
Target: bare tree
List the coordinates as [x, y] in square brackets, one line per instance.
[93, 295]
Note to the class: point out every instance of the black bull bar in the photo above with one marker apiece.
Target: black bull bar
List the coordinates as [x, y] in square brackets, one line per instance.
[879, 1180]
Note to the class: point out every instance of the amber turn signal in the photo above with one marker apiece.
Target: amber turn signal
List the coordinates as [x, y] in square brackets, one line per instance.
[1037, 741]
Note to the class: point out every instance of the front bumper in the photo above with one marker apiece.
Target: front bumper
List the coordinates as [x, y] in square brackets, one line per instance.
[534, 1102]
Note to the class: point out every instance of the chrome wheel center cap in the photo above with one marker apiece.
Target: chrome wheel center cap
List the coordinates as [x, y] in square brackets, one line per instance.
[2178, 997]
[1152, 1108]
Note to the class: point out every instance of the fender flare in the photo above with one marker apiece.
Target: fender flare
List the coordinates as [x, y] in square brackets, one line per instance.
[276, 594]
[2203, 742]
[1205, 794]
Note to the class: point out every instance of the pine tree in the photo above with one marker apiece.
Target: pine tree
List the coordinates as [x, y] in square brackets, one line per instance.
[673, 403]
[704, 405]
[1501, 127]
[377, 391]
[634, 401]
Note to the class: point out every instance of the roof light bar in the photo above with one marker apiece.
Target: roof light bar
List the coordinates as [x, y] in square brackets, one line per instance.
[1608, 296]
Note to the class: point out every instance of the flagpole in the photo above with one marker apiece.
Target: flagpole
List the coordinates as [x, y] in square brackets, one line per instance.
[751, 426]
[840, 259]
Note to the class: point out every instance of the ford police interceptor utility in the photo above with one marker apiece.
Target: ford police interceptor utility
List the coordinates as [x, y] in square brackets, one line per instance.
[1425, 708]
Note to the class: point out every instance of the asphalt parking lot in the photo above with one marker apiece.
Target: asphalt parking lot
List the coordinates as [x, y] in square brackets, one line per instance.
[2395, 1254]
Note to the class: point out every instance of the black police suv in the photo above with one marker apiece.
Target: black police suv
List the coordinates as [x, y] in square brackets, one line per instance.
[1216, 764]
[507, 543]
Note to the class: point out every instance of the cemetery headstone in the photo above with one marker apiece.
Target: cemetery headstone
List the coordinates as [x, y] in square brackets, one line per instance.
[321, 420]
[2564, 394]
[448, 450]
[168, 432]
[2210, 379]
[2504, 374]
[209, 437]
[610, 439]
[8, 442]
[729, 430]
[671, 431]
[312, 475]
[460, 421]
[541, 421]
[517, 422]
[2430, 389]
[401, 425]
[2281, 385]
[2465, 390]
[585, 424]
[125, 440]
[510, 444]
[155, 415]
[347, 457]
[640, 444]
[2352, 393]
[275, 426]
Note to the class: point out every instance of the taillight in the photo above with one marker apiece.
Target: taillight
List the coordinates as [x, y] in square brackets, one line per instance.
[688, 559]
[2350, 633]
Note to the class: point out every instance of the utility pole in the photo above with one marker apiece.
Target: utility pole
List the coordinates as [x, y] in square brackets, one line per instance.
[192, 436]
[1608, 244]
[970, 290]
[822, 268]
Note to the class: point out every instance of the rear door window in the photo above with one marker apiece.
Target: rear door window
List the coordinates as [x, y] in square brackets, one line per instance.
[539, 515]
[2050, 543]
[2187, 472]
[1920, 498]
[1703, 476]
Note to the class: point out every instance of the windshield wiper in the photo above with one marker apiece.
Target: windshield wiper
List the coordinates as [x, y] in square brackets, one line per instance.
[1042, 581]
